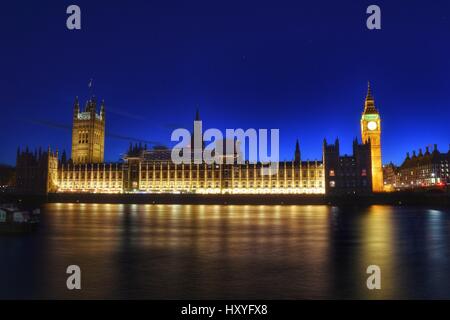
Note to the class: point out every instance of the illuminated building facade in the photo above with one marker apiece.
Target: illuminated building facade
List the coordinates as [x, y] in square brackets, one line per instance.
[423, 170]
[90, 177]
[390, 177]
[88, 133]
[166, 177]
[152, 171]
[371, 132]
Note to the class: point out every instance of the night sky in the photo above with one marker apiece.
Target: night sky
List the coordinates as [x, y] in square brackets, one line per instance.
[300, 66]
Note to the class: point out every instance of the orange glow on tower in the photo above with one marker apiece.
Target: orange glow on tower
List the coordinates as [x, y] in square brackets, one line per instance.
[371, 131]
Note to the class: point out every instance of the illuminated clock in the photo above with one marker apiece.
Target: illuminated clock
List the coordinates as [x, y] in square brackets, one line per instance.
[372, 125]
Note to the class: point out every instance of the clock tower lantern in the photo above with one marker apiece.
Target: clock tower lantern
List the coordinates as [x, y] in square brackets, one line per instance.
[371, 132]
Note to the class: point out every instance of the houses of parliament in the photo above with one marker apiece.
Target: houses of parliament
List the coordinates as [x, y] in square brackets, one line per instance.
[144, 170]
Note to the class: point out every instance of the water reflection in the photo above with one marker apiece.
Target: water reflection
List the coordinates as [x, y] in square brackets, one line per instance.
[210, 251]
[377, 248]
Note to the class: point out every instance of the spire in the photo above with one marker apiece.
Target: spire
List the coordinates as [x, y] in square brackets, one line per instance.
[369, 103]
[102, 109]
[197, 115]
[369, 92]
[297, 152]
[64, 157]
[93, 104]
[76, 106]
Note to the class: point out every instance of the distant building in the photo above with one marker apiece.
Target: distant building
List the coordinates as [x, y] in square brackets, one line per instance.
[7, 178]
[390, 176]
[424, 170]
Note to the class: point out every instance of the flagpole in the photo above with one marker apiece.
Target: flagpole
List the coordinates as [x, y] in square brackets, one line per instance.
[90, 86]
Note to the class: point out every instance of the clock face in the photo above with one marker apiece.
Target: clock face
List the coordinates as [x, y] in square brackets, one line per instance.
[372, 125]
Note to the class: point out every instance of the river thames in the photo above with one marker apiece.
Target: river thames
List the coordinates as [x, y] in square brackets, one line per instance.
[229, 252]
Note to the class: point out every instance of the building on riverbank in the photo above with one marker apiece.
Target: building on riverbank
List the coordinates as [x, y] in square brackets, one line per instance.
[348, 174]
[145, 170]
[37, 172]
[422, 170]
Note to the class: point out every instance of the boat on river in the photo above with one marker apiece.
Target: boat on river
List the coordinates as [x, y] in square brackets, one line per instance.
[15, 220]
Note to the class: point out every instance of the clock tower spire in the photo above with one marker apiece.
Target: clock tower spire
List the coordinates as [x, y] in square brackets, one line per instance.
[371, 133]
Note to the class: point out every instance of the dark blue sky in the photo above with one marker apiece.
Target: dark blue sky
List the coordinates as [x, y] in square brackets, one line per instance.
[300, 66]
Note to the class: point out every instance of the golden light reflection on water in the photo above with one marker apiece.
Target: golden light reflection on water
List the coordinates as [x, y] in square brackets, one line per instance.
[238, 235]
[234, 251]
[377, 248]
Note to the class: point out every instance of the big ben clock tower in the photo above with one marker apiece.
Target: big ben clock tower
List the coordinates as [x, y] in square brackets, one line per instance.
[371, 131]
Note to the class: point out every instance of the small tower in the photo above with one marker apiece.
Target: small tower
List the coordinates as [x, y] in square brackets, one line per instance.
[371, 132]
[197, 115]
[88, 133]
[297, 157]
[197, 143]
[76, 108]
